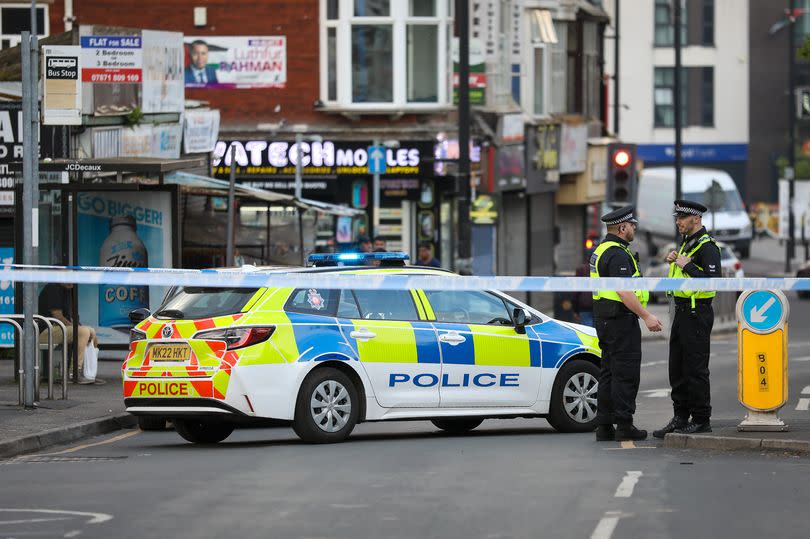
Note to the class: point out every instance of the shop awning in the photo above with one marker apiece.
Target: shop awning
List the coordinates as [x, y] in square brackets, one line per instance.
[196, 181]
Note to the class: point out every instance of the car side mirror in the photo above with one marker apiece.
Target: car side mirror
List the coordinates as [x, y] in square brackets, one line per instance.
[521, 318]
[139, 315]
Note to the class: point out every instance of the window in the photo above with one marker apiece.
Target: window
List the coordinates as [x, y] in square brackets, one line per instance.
[313, 301]
[386, 304]
[347, 306]
[385, 54]
[559, 64]
[195, 302]
[469, 307]
[697, 96]
[696, 29]
[16, 18]
[543, 38]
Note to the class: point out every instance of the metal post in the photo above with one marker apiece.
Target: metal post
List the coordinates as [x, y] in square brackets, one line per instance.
[789, 248]
[231, 210]
[464, 228]
[299, 172]
[29, 336]
[375, 193]
[616, 68]
[676, 7]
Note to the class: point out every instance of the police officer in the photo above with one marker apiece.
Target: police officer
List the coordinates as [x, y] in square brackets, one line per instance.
[616, 314]
[698, 256]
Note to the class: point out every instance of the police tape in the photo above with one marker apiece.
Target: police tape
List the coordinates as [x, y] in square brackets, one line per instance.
[363, 280]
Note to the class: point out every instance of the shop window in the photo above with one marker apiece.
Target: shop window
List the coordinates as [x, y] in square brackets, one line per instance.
[16, 18]
[384, 54]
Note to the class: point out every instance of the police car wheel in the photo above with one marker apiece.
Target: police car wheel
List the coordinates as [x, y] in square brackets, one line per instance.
[458, 425]
[573, 398]
[327, 407]
[148, 422]
[199, 431]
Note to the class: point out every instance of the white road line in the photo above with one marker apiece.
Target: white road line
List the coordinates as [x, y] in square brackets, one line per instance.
[802, 358]
[656, 393]
[95, 518]
[73, 533]
[806, 390]
[803, 405]
[654, 363]
[607, 525]
[625, 489]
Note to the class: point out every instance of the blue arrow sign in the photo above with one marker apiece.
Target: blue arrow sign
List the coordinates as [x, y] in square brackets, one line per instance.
[763, 310]
[376, 160]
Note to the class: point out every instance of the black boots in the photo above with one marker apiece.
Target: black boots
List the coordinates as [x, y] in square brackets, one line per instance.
[627, 432]
[605, 433]
[695, 427]
[674, 424]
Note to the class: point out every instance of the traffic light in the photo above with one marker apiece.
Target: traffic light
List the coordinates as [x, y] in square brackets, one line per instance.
[622, 177]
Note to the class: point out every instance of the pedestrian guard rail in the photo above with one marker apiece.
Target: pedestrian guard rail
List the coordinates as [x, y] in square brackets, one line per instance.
[49, 323]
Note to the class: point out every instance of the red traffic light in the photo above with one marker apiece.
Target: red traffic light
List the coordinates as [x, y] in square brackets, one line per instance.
[589, 243]
[621, 158]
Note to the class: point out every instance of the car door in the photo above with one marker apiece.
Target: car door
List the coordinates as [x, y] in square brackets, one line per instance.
[485, 361]
[396, 345]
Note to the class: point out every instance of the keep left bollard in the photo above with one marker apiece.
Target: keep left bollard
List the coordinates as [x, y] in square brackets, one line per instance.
[762, 354]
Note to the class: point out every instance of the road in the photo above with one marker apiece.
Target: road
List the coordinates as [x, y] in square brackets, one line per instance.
[508, 478]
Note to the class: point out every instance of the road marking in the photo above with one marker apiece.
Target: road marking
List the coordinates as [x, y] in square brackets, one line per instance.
[803, 405]
[802, 358]
[97, 518]
[657, 393]
[806, 390]
[607, 525]
[32, 520]
[625, 489]
[73, 533]
[85, 446]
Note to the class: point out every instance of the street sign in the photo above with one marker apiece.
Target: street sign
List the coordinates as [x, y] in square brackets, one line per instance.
[764, 310]
[376, 160]
[61, 85]
[762, 358]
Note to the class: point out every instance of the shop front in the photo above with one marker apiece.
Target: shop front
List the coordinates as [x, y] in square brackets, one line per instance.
[337, 172]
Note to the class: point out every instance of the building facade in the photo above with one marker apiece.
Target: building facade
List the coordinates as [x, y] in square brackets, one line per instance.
[715, 82]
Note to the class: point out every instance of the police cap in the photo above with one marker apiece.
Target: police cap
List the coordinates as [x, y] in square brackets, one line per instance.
[687, 207]
[626, 214]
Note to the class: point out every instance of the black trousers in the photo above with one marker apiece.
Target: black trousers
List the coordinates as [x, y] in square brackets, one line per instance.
[620, 341]
[689, 361]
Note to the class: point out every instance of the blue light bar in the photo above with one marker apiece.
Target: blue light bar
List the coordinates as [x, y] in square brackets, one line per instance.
[355, 258]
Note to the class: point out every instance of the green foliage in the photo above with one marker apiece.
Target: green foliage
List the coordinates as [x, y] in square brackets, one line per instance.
[134, 118]
[803, 52]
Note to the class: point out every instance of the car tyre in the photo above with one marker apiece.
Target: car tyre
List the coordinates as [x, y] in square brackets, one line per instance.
[327, 408]
[150, 422]
[457, 425]
[199, 431]
[573, 397]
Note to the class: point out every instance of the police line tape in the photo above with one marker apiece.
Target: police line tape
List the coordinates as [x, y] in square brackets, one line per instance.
[251, 278]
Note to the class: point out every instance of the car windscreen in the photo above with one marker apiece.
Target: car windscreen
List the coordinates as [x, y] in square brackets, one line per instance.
[195, 302]
[718, 200]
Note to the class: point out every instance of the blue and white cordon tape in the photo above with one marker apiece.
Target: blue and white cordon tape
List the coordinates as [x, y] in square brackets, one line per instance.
[249, 277]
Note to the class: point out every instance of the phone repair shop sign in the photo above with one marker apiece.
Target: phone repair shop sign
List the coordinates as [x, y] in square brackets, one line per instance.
[61, 85]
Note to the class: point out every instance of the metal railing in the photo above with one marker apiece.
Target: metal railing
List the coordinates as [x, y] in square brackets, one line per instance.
[48, 322]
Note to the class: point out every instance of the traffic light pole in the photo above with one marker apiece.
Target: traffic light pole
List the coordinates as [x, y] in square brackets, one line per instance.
[790, 247]
[676, 7]
[463, 180]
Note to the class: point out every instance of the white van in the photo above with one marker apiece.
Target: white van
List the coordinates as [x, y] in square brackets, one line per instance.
[712, 188]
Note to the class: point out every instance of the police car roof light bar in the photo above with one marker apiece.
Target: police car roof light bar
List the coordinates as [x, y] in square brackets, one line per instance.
[325, 259]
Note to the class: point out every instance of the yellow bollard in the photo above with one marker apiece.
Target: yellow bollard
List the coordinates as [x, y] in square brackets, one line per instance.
[762, 354]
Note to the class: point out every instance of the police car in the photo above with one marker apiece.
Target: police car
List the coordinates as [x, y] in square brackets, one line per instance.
[325, 359]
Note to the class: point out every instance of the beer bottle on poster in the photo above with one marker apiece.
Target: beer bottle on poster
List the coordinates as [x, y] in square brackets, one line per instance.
[122, 249]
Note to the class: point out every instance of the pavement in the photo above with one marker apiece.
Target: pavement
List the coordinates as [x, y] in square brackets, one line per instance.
[97, 409]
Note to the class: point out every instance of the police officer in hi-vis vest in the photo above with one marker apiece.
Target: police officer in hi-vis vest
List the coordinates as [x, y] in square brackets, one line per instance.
[698, 256]
[616, 314]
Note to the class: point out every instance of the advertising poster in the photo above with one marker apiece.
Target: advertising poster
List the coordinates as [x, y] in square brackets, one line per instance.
[130, 229]
[152, 140]
[111, 59]
[6, 298]
[200, 130]
[162, 88]
[235, 62]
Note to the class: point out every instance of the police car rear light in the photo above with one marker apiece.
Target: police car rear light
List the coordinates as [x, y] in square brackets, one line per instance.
[238, 337]
[334, 259]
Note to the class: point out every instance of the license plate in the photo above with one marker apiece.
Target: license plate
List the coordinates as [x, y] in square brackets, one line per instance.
[170, 352]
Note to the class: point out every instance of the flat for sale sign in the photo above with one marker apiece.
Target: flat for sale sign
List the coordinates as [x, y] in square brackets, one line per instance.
[112, 59]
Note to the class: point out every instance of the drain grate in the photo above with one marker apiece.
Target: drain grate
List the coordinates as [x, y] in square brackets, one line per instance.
[57, 458]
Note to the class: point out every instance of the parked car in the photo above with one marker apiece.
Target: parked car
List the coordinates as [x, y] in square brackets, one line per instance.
[731, 266]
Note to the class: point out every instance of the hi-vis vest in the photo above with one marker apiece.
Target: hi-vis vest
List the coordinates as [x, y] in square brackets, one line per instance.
[642, 295]
[675, 271]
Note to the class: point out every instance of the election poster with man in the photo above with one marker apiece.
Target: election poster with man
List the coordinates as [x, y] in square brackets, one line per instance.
[235, 62]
